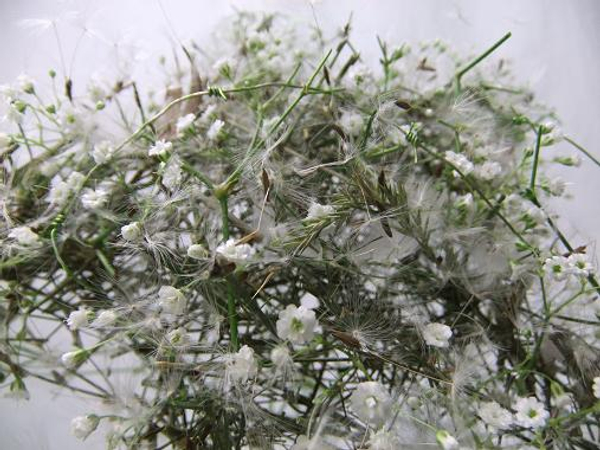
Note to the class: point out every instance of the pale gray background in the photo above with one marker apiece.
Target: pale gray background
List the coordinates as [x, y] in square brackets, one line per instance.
[555, 48]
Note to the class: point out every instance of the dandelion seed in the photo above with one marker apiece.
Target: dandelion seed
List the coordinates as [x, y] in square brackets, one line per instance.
[371, 403]
[530, 412]
[297, 324]
[83, 426]
[351, 122]
[437, 334]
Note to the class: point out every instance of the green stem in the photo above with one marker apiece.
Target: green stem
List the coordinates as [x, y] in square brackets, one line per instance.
[480, 58]
[536, 160]
[231, 306]
[582, 150]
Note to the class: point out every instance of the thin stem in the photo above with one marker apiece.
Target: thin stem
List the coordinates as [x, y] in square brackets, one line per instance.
[536, 160]
[480, 58]
[231, 306]
[582, 150]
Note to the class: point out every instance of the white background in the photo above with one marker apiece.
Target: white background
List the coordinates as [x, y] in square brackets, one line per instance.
[555, 49]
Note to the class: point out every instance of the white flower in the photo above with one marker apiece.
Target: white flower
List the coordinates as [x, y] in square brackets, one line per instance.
[596, 387]
[25, 236]
[197, 251]
[489, 170]
[78, 319]
[171, 300]
[557, 186]
[214, 130]
[437, 334]
[316, 443]
[172, 175]
[317, 211]
[62, 189]
[235, 253]
[102, 152]
[384, 440]
[26, 83]
[371, 403]
[242, 365]
[466, 201]
[446, 440]
[83, 426]
[495, 415]
[461, 162]
[74, 358]
[579, 265]
[280, 356]
[161, 148]
[105, 318]
[94, 198]
[531, 413]
[557, 267]
[178, 337]
[131, 232]
[351, 122]
[297, 324]
[184, 123]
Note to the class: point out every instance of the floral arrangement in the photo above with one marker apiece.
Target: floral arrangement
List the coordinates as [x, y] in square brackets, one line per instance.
[285, 248]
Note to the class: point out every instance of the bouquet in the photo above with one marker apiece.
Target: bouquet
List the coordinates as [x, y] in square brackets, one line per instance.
[282, 247]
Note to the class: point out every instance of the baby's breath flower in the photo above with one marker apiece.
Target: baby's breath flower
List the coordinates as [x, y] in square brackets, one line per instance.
[171, 300]
[297, 324]
[557, 186]
[446, 440]
[579, 265]
[596, 387]
[105, 318]
[530, 412]
[234, 252]
[557, 267]
[178, 337]
[242, 366]
[280, 356]
[461, 162]
[75, 358]
[371, 403]
[26, 84]
[214, 130]
[94, 198]
[132, 232]
[489, 170]
[197, 251]
[495, 415]
[317, 211]
[103, 152]
[437, 334]
[83, 426]
[161, 148]
[384, 440]
[78, 319]
[62, 189]
[25, 236]
[185, 123]
[351, 122]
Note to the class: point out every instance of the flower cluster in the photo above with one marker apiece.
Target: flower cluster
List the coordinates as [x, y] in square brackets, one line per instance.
[288, 248]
